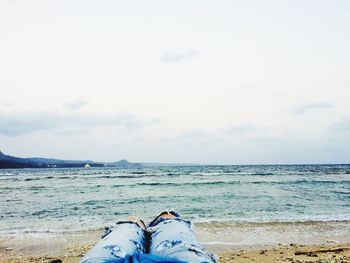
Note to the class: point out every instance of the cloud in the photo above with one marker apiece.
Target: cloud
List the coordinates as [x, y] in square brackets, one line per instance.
[19, 123]
[240, 128]
[341, 125]
[176, 57]
[199, 135]
[9, 3]
[247, 86]
[5, 105]
[193, 135]
[312, 106]
[75, 105]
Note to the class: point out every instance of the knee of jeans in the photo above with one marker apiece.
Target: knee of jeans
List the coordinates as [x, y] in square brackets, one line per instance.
[165, 221]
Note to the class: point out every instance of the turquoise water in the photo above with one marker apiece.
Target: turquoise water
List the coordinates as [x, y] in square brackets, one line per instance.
[81, 199]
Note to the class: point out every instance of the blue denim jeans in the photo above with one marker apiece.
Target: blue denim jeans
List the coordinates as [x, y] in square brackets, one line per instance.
[165, 237]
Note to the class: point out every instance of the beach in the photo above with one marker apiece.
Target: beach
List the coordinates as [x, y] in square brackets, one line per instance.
[281, 242]
[231, 116]
[296, 254]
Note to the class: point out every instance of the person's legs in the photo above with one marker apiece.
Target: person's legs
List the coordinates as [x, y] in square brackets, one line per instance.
[173, 237]
[126, 238]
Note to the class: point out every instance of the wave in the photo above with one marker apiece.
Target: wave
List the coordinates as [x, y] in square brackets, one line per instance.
[38, 187]
[289, 182]
[306, 220]
[138, 172]
[131, 175]
[263, 174]
[48, 177]
[303, 181]
[189, 184]
[342, 192]
[31, 179]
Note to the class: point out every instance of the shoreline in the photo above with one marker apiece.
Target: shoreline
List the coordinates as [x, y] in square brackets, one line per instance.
[221, 237]
[233, 242]
[199, 223]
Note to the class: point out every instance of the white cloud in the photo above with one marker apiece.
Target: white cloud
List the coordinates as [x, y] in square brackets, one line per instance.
[312, 106]
[5, 105]
[342, 125]
[193, 135]
[75, 105]
[241, 128]
[19, 123]
[175, 57]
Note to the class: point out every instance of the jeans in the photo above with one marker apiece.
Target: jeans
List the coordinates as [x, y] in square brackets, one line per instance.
[165, 237]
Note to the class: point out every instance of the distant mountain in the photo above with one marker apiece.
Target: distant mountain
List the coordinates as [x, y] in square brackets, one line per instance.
[7, 161]
[124, 164]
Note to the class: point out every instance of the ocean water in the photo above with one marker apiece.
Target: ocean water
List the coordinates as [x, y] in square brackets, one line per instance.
[54, 200]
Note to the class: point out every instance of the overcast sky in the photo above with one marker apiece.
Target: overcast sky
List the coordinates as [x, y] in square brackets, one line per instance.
[219, 82]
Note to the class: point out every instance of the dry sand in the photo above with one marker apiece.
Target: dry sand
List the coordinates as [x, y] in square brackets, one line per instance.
[282, 253]
[311, 242]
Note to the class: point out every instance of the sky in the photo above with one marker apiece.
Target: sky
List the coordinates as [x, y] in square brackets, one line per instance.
[207, 82]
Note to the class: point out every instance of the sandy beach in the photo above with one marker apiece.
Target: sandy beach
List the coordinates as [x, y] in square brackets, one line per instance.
[232, 242]
[283, 253]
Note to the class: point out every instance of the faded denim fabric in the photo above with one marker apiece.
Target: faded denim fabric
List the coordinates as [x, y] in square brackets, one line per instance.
[126, 238]
[174, 238]
[168, 240]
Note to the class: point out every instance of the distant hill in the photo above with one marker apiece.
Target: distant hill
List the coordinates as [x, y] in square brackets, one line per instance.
[124, 164]
[7, 162]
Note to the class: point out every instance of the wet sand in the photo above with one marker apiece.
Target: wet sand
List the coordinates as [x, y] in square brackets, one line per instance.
[278, 242]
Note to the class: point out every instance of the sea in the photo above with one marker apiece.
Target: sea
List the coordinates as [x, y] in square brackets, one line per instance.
[54, 200]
